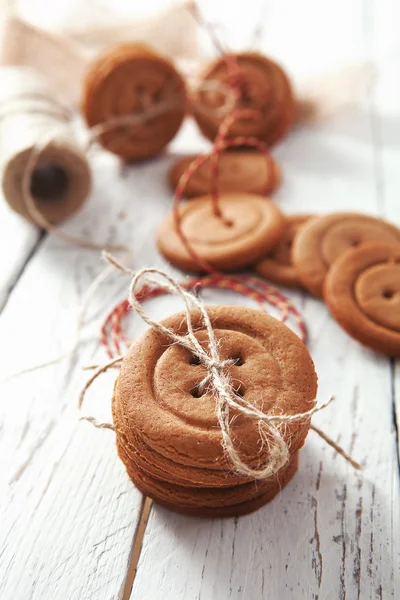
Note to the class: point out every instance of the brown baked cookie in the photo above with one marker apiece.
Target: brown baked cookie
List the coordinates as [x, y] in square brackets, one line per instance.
[171, 471]
[243, 508]
[239, 171]
[126, 81]
[362, 291]
[157, 393]
[323, 239]
[212, 502]
[277, 266]
[252, 226]
[264, 87]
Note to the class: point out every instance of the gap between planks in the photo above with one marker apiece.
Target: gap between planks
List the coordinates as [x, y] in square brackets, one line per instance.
[14, 282]
[394, 408]
[144, 514]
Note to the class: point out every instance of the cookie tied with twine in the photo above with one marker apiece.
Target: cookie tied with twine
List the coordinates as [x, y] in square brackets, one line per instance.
[33, 121]
[129, 80]
[259, 84]
[211, 405]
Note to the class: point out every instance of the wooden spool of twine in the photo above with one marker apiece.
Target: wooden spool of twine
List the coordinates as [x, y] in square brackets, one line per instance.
[33, 121]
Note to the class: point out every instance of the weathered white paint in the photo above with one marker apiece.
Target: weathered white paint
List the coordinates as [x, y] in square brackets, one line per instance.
[17, 241]
[69, 513]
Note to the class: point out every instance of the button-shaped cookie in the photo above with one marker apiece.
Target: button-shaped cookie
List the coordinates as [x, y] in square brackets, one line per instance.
[238, 171]
[277, 266]
[323, 239]
[250, 227]
[211, 502]
[362, 291]
[131, 80]
[263, 86]
[158, 392]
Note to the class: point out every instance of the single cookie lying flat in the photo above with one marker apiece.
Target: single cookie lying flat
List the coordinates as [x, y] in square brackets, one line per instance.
[239, 171]
[129, 80]
[323, 239]
[252, 225]
[362, 291]
[263, 86]
[277, 266]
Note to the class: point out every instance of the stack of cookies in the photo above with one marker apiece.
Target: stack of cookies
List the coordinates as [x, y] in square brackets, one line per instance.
[168, 434]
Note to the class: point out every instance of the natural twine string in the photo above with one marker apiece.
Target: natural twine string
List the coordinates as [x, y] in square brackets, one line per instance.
[218, 380]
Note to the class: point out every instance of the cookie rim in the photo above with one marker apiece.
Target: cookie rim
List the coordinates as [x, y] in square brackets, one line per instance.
[353, 320]
[312, 277]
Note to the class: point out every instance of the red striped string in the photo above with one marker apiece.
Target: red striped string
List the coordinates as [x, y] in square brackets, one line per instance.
[112, 335]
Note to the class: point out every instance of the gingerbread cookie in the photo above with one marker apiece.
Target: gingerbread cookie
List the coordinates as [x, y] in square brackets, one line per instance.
[238, 171]
[194, 504]
[264, 88]
[131, 80]
[251, 227]
[157, 392]
[277, 266]
[362, 291]
[323, 239]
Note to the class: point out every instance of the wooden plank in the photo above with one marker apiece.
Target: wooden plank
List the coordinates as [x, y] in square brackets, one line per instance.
[385, 115]
[18, 240]
[332, 533]
[68, 515]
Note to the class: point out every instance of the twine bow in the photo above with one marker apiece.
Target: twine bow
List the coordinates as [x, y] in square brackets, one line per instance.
[218, 379]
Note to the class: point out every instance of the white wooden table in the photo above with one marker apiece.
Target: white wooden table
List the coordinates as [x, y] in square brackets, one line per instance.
[69, 514]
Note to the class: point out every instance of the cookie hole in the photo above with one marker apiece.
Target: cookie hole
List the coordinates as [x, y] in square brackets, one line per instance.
[387, 294]
[355, 243]
[238, 360]
[156, 98]
[196, 392]
[194, 361]
[228, 223]
[240, 390]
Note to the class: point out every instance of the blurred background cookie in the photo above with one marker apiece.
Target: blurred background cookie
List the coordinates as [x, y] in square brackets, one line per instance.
[238, 171]
[263, 86]
[132, 80]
